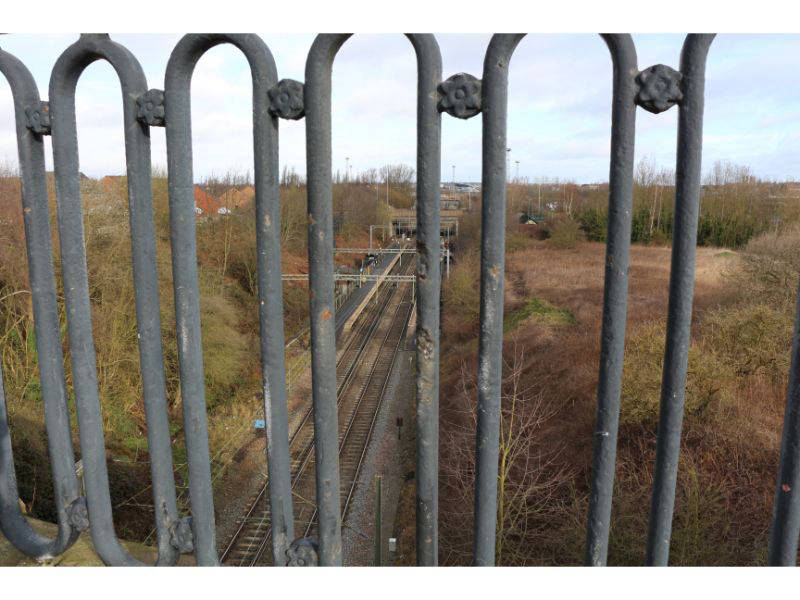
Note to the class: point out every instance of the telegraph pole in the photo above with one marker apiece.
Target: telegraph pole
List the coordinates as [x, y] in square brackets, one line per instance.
[378, 523]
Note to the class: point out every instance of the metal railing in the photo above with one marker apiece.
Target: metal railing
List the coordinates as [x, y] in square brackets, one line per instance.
[463, 96]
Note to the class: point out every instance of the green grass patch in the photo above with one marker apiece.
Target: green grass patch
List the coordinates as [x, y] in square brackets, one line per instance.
[538, 310]
[726, 254]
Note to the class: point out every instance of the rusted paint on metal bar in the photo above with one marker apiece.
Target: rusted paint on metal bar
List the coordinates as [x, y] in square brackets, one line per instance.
[30, 148]
[490, 344]
[63, 81]
[785, 530]
[681, 292]
[615, 295]
[655, 89]
[319, 65]
[318, 147]
[428, 292]
[179, 151]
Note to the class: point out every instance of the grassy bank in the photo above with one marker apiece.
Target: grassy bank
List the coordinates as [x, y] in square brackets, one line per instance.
[228, 297]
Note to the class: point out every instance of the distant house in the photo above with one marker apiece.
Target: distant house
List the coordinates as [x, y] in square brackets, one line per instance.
[205, 204]
[236, 198]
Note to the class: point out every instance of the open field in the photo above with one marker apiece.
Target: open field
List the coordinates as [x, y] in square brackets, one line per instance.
[551, 352]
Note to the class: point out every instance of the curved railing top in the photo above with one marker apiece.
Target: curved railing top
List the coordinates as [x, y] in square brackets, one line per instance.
[32, 122]
[655, 89]
[270, 100]
[66, 72]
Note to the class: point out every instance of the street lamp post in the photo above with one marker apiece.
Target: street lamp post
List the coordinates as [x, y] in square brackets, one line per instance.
[540, 196]
[453, 184]
[508, 158]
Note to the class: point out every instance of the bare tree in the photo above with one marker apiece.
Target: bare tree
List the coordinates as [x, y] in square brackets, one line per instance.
[528, 475]
[290, 178]
[369, 177]
[398, 175]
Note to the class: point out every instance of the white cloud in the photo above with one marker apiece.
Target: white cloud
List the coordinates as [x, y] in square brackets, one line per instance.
[559, 103]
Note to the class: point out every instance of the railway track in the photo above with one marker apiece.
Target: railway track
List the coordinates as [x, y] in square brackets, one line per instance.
[353, 442]
[363, 368]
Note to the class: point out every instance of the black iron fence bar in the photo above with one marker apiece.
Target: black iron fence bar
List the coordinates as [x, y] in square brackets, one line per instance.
[63, 81]
[142, 108]
[318, 146]
[615, 295]
[428, 291]
[785, 529]
[179, 149]
[490, 349]
[681, 291]
[317, 99]
[32, 122]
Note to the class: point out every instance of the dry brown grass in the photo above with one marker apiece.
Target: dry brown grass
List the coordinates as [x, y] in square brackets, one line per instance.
[729, 446]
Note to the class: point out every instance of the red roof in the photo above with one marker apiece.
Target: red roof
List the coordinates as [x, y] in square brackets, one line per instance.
[205, 201]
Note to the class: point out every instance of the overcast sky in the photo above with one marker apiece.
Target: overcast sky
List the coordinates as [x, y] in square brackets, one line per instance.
[559, 104]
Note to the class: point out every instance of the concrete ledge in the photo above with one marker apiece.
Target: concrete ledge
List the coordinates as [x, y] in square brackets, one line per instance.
[80, 554]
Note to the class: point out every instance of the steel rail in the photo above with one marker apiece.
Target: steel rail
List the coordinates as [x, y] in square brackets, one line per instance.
[348, 277]
[490, 342]
[307, 459]
[317, 98]
[359, 341]
[374, 251]
[346, 504]
[363, 395]
[367, 324]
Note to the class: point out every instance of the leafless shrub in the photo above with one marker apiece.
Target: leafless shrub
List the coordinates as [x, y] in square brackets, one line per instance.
[528, 477]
